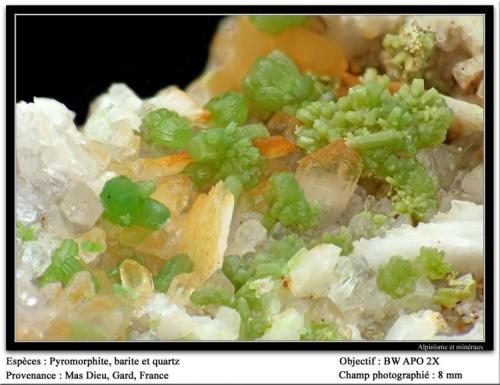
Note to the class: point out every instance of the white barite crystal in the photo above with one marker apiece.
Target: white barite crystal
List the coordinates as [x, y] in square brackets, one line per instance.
[459, 233]
[114, 120]
[50, 155]
[463, 34]
[473, 184]
[262, 286]
[286, 326]
[155, 306]
[469, 115]
[355, 333]
[423, 325]
[248, 236]
[174, 99]
[120, 101]
[48, 145]
[310, 270]
[97, 184]
[81, 205]
[178, 324]
[469, 71]
[360, 34]
[175, 323]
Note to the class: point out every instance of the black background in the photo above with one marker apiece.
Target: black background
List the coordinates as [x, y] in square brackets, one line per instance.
[75, 58]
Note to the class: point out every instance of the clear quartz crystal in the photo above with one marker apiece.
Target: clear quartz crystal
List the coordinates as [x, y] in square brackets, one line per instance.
[136, 277]
[81, 205]
[442, 162]
[37, 254]
[354, 290]
[330, 175]
[347, 274]
[35, 307]
[249, 235]
[35, 314]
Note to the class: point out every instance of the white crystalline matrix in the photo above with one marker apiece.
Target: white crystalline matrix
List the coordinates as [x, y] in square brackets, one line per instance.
[50, 156]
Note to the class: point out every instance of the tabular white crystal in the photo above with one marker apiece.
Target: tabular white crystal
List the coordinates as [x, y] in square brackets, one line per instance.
[174, 99]
[113, 121]
[468, 71]
[118, 99]
[311, 270]
[262, 286]
[175, 323]
[97, 184]
[248, 236]
[50, 155]
[423, 325]
[286, 326]
[48, 145]
[81, 205]
[469, 115]
[473, 184]
[459, 233]
[225, 325]
[118, 136]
